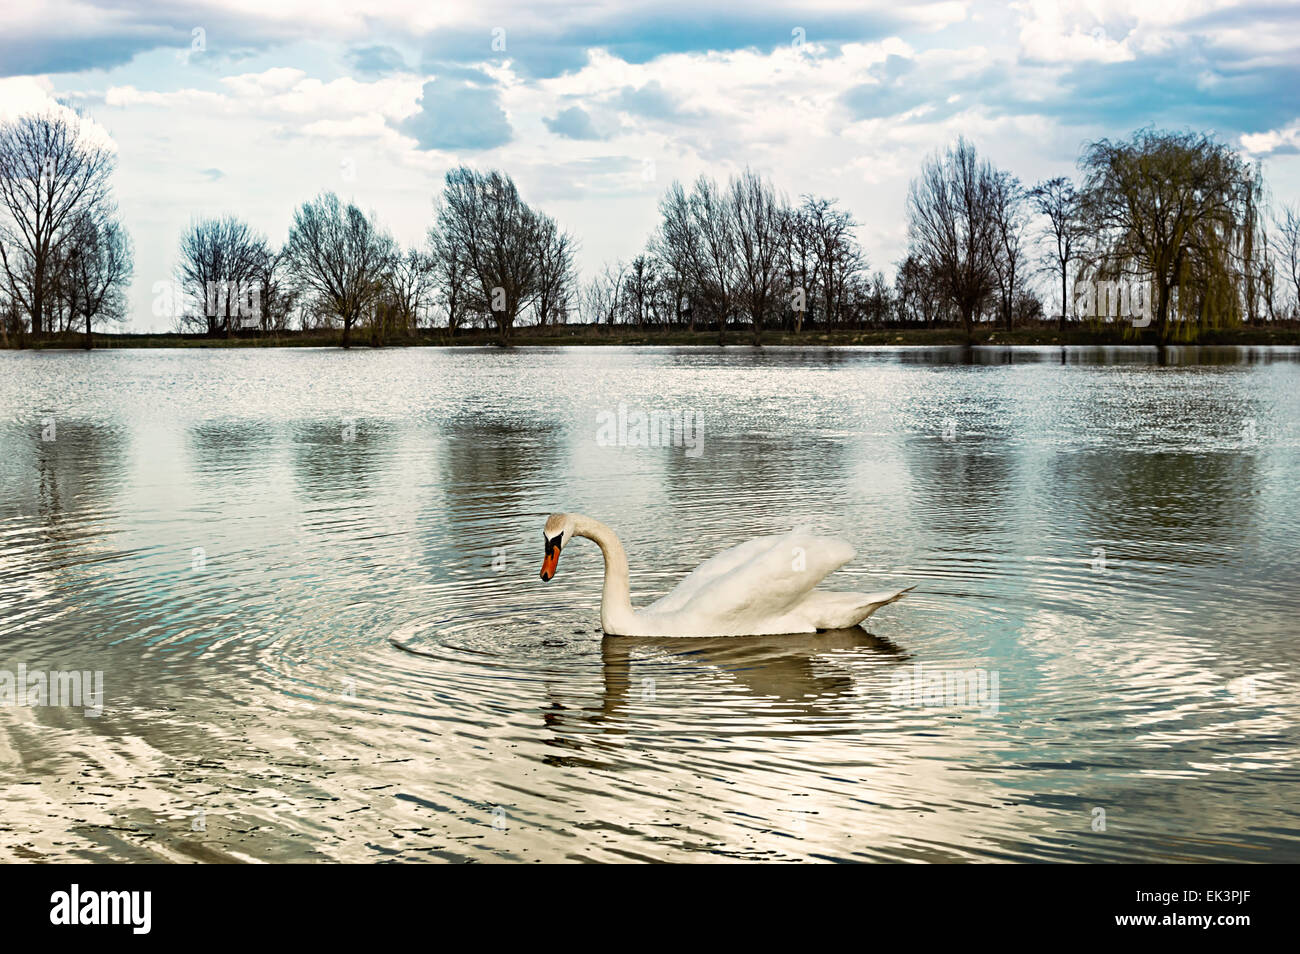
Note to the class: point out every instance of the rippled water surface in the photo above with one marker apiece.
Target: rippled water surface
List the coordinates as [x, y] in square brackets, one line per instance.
[242, 542]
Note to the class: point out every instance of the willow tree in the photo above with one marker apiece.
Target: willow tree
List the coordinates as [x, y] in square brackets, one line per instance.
[1170, 206]
[1254, 252]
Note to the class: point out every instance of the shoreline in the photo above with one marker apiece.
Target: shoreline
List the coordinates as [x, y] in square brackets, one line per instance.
[587, 336]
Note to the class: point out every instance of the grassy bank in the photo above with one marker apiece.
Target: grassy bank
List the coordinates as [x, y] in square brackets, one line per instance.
[1288, 334]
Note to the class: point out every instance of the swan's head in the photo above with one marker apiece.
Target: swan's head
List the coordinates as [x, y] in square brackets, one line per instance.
[557, 532]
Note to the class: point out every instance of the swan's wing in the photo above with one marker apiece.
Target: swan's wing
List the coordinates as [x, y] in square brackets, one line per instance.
[843, 610]
[759, 579]
[712, 568]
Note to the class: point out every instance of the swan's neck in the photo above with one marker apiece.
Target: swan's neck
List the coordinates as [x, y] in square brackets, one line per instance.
[616, 597]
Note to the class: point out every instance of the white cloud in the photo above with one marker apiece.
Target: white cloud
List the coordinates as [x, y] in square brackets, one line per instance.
[25, 94]
[20, 95]
[1286, 139]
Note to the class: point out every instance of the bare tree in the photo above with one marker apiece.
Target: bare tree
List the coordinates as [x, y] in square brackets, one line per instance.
[556, 275]
[713, 222]
[757, 214]
[918, 293]
[875, 303]
[1058, 200]
[10, 323]
[639, 287]
[951, 226]
[1007, 206]
[676, 244]
[799, 260]
[220, 259]
[605, 292]
[98, 268]
[51, 179]
[496, 234]
[741, 248]
[278, 296]
[839, 261]
[407, 284]
[1286, 244]
[339, 256]
[450, 275]
[594, 301]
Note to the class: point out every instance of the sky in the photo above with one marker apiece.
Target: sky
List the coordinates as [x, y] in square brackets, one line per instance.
[595, 106]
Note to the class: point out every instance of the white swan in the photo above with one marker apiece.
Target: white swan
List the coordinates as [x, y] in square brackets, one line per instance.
[761, 587]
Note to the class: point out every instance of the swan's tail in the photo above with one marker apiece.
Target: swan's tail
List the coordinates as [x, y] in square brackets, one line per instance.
[845, 610]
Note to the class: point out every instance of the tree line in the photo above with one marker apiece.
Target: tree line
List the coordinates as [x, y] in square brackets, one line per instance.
[1178, 213]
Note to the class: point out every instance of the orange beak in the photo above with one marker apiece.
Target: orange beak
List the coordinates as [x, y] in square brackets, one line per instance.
[550, 562]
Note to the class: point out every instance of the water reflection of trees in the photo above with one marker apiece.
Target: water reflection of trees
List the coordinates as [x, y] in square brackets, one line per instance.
[1158, 506]
[75, 472]
[338, 458]
[58, 496]
[1089, 355]
[762, 482]
[222, 453]
[496, 478]
[964, 486]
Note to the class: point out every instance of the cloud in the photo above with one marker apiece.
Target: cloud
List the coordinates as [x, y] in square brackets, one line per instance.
[24, 94]
[284, 94]
[572, 123]
[1274, 142]
[21, 96]
[376, 60]
[650, 100]
[455, 114]
[595, 107]
[40, 54]
[928, 87]
[1181, 87]
[558, 38]
[547, 38]
[72, 36]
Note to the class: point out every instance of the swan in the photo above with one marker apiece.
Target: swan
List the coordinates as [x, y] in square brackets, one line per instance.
[762, 587]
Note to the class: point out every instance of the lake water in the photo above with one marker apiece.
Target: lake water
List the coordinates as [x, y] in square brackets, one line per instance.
[235, 539]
